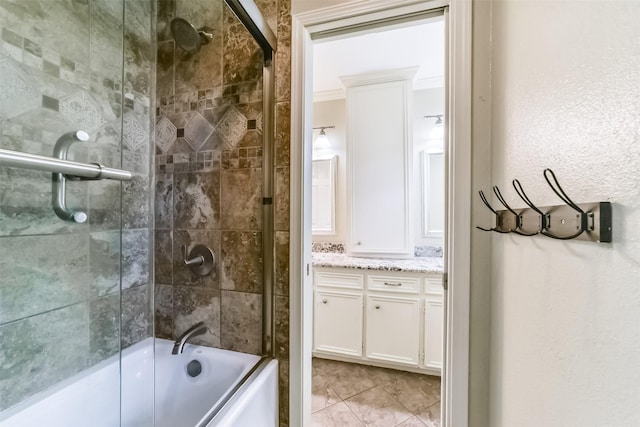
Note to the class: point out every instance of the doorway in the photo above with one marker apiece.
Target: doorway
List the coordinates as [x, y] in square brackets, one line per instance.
[377, 203]
[335, 22]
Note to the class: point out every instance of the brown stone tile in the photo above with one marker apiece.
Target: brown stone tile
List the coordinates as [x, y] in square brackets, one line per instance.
[252, 138]
[282, 327]
[284, 19]
[202, 70]
[163, 255]
[241, 322]
[282, 196]
[375, 407]
[164, 201]
[241, 200]
[282, 263]
[165, 13]
[213, 143]
[283, 133]
[324, 366]
[193, 305]
[165, 77]
[251, 110]
[382, 376]
[232, 127]
[283, 70]
[431, 416]
[412, 422]
[335, 415]
[241, 263]
[136, 321]
[416, 392]
[269, 10]
[283, 392]
[164, 311]
[197, 200]
[242, 57]
[347, 379]
[197, 131]
[180, 146]
[322, 395]
[182, 275]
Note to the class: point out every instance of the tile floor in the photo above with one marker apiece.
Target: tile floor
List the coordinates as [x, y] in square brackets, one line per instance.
[352, 395]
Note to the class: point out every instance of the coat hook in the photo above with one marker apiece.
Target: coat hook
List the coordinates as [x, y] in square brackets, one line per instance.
[557, 188]
[518, 217]
[486, 203]
[545, 219]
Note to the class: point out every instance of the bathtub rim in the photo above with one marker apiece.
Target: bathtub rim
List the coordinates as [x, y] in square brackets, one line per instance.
[232, 396]
[225, 401]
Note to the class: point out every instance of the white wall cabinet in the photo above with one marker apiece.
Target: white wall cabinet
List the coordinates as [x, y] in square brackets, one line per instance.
[379, 146]
[389, 319]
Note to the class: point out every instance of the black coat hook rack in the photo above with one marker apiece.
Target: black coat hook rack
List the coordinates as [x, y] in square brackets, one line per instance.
[583, 221]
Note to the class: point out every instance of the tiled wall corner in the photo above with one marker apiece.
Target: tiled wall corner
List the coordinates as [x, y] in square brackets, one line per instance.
[209, 177]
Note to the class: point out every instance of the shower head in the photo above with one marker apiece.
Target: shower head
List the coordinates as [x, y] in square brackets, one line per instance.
[187, 37]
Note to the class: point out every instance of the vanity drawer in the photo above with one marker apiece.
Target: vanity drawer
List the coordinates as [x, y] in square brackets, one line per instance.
[433, 285]
[393, 283]
[338, 279]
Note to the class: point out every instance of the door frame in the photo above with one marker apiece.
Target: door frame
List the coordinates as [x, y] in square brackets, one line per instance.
[458, 18]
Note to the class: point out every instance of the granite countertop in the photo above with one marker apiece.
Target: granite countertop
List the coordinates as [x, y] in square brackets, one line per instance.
[416, 265]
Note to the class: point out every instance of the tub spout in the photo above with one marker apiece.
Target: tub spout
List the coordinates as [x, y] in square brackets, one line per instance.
[197, 329]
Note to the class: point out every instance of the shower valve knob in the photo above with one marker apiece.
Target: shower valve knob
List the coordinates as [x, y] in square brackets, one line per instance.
[200, 259]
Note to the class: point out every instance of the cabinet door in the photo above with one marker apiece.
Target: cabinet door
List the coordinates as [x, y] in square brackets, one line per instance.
[393, 329]
[378, 168]
[433, 328]
[337, 322]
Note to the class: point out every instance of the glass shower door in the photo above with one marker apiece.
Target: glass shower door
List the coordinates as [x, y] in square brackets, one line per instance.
[74, 289]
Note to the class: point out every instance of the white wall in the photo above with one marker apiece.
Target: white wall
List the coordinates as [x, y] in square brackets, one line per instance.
[565, 323]
[333, 113]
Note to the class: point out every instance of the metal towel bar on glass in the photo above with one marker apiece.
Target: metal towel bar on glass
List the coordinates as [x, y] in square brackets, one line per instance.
[16, 159]
[63, 169]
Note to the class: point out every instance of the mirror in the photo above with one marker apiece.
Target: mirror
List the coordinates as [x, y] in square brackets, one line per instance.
[433, 194]
[323, 216]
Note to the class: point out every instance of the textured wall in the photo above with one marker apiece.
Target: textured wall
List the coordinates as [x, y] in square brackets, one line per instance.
[565, 336]
[65, 303]
[209, 179]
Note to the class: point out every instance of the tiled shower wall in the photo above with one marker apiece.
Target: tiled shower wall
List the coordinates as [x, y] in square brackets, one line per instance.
[209, 179]
[61, 69]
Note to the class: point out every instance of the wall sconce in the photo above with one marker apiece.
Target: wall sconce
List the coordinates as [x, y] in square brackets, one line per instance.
[321, 143]
[437, 132]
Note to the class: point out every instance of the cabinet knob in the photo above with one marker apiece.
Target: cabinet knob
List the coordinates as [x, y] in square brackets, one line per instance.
[377, 306]
[324, 301]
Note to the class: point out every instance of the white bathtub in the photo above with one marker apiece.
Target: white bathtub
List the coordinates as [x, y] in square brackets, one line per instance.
[92, 398]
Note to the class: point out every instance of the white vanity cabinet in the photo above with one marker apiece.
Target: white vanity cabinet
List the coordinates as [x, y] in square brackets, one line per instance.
[388, 319]
[337, 313]
[433, 323]
[393, 329]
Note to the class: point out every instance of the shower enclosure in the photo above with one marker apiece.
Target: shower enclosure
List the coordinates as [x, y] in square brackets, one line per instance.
[77, 289]
[76, 82]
